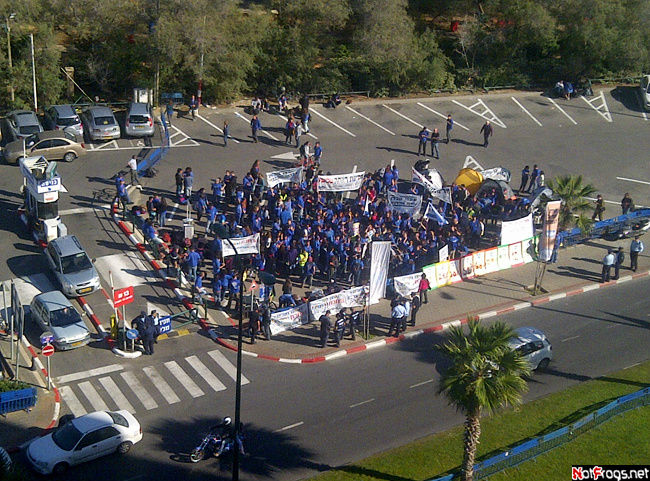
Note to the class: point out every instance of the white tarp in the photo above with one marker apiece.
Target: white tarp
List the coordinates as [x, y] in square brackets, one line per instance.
[517, 230]
[244, 245]
[497, 173]
[287, 319]
[433, 180]
[549, 232]
[380, 257]
[340, 183]
[354, 297]
[281, 176]
[406, 285]
[405, 203]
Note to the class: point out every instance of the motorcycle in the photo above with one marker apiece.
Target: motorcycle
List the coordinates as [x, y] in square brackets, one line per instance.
[210, 446]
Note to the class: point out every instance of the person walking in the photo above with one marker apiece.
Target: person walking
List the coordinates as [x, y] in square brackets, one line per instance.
[627, 204]
[308, 273]
[318, 152]
[179, 182]
[133, 170]
[423, 288]
[636, 247]
[266, 322]
[449, 127]
[423, 137]
[290, 129]
[525, 174]
[299, 132]
[620, 258]
[533, 178]
[415, 307]
[169, 112]
[188, 182]
[255, 126]
[123, 194]
[325, 326]
[608, 261]
[487, 132]
[435, 138]
[226, 133]
[194, 107]
[162, 212]
[599, 208]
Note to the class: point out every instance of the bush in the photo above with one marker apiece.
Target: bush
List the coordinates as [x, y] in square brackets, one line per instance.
[6, 385]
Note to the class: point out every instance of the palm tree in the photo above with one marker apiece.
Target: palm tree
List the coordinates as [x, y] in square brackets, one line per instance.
[573, 192]
[485, 374]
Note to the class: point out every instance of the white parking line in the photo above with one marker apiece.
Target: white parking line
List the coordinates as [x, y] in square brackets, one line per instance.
[137, 388]
[362, 403]
[562, 110]
[290, 426]
[602, 109]
[421, 383]
[261, 130]
[634, 180]
[404, 116]
[524, 109]
[215, 127]
[369, 120]
[331, 122]
[484, 114]
[287, 120]
[89, 373]
[441, 115]
[72, 401]
[569, 338]
[227, 366]
[93, 396]
[105, 146]
[114, 392]
[165, 390]
[185, 137]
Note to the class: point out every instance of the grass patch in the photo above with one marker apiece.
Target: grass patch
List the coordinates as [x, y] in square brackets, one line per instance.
[7, 385]
[441, 453]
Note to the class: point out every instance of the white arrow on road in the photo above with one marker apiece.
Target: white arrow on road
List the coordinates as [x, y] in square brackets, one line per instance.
[286, 156]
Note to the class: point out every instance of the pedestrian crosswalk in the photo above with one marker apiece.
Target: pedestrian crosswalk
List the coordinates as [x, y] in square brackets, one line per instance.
[147, 388]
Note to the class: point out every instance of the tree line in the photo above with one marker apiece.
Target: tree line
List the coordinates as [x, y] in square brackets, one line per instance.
[248, 47]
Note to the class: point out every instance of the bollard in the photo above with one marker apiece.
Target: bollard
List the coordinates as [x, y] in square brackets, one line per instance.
[33, 366]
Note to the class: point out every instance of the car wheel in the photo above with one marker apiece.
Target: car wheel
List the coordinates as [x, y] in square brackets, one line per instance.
[69, 157]
[65, 419]
[543, 365]
[60, 468]
[124, 447]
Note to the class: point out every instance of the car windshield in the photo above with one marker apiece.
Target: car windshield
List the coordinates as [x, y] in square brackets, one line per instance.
[67, 437]
[48, 210]
[75, 263]
[118, 419]
[68, 121]
[29, 129]
[104, 121]
[138, 119]
[63, 317]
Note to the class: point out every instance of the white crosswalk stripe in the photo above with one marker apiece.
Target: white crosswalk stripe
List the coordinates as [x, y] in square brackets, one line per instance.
[114, 392]
[184, 379]
[93, 396]
[135, 386]
[226, 365]
[205, 373]
[72, 401]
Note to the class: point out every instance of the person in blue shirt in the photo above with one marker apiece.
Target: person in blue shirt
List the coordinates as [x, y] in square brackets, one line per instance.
[255, 126]
[193, 260]
[212, 215]
[318, 152]
[123, 194]
[423, 138]
[285, 216]
[233, 291]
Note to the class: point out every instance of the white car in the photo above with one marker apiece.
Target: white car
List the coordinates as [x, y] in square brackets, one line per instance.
[644, 92]
[533, 346]
[83, 439]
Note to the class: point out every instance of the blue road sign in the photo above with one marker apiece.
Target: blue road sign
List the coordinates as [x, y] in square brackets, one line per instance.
[132, 334]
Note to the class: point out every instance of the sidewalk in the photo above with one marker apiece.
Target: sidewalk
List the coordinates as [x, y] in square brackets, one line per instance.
[578, 270]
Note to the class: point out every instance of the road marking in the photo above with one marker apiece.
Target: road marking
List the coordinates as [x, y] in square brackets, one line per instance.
[185, 137]
[163, 388]
[632, 365]
[404, 116]
[524, 109]
[562, 110]
[362, 403]
[634, 180]
[215, 127]
[72, 401]
[570, 338]
[227, 366]
[103, 146]
[114, 392]
[486, 110]
[261, 130]
[205, 373]
[83, 210]
[602, 109]
[93, 396]
[89, 373]
[469, 161]
[421, 383]
[184, 379]
[306, 133]
[369, 120]
[441, 115]
[331, 122]
[290, 426]
[137, 388]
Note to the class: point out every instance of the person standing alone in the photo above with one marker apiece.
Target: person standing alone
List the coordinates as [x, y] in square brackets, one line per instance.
[449, 127]
[487, 132]
[226, 133]
[435, 138]
[636, 247]
[255, 126]
[133, 170]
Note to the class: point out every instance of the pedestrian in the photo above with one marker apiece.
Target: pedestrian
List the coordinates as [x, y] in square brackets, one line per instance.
[396, 316]
[123, 194]
[266, 322]
[193, 260]
[415, 307]
[308, 273]
[318, 152]
[169, 111]
[339, 327]
[608, 261]
[188, 182]
[255, 126]
[620, 258]
[198, 291]
[156, 324]
[423, 137]
[487, 132]
[599, 208]
[305, 118]
[449, 127]
[407, 312]
[179, 182]
[435, 138]
[290, 130]
[533, 177]
[540, 180]
[423, 288]
[636, 247]
[194, 107]
[133, 170]
[627, 204]
[138, 324]
[254, 324]
[162, 212]
[525, 174]
[299, 132]
[325, 326]
[305, 154]
[149, 334]
[226, 133]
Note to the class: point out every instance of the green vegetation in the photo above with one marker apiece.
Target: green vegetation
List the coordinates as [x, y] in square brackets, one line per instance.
[574, 205]
[387, 47]
[442, 453]
[6, 385]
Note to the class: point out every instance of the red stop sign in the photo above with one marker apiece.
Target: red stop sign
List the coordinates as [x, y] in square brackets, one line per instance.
[48, 350]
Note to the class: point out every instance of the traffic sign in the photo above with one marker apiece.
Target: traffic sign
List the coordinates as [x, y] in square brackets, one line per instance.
[132, 334]
[46, 338]
[253, 285]
[122, 297]
[48, 350]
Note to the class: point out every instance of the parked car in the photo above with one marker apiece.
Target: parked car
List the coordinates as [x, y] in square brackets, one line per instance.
[24, 123]
[533, 346]
[100, 124]
[63, 117]
[51, 144]
[644, 92]
[72, 267]
[54, 313]
[139, 120]
[83, 439]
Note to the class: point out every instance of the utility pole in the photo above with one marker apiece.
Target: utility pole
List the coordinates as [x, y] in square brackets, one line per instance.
[31, 38]
[11, 65]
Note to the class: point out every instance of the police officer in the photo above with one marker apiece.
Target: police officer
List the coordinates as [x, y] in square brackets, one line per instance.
[620, 258]
[138, 324]
[325, 326]
[415, 306]
[339, 327]
[266, 322]
[254, 324]
[149, 333]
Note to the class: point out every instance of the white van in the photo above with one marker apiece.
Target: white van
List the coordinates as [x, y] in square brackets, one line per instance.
[644, 92]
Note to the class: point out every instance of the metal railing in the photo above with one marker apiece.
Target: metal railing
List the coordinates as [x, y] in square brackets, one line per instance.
[599, 229]
[541, 444]
[22, 399]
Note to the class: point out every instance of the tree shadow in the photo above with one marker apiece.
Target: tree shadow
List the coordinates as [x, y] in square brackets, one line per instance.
[628, 97]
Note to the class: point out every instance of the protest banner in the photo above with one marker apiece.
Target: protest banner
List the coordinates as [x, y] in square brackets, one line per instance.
[497, 173]
[454, 271]
[479, 263]
[408, 284]
[442, 273]
[404, 203]
[281, 176]
[549, 232]
[517, 230]
[243, 245]
[340, 183]
[289, 318]
[355, 297]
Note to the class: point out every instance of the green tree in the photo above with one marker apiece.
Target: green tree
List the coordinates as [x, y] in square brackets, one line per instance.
[573, 192]
[485, 374]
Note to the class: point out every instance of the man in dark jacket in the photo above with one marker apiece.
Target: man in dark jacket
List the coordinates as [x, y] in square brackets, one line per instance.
[149, 335]
[325, 326]
[266, 322]
[254, 324]
[620, 258]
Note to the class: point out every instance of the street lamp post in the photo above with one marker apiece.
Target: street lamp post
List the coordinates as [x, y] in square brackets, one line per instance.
[11, 65]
